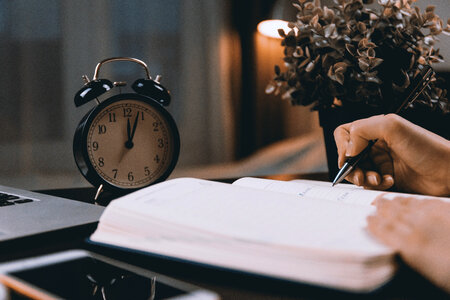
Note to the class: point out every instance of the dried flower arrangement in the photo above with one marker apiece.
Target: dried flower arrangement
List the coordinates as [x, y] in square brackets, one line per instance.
[353, 55]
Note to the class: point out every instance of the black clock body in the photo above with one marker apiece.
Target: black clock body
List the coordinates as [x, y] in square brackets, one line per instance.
[126, 142]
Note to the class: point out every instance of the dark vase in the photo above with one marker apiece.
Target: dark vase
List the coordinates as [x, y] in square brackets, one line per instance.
[331, 118]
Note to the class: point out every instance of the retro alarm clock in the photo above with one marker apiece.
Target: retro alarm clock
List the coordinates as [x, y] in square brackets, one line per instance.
[128, 140]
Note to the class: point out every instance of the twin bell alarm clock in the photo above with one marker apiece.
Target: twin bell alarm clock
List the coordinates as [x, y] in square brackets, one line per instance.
[128, 140]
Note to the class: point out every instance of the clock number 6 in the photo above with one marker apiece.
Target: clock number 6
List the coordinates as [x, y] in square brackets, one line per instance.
[130, 176]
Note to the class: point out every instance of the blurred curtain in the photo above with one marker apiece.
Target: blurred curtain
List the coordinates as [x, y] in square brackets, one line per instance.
[47, 45]
[207, 60]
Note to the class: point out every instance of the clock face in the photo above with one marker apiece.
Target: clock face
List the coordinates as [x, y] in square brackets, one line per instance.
[131, 144]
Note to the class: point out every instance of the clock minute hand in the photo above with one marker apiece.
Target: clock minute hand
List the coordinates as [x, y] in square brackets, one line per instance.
[134, 127]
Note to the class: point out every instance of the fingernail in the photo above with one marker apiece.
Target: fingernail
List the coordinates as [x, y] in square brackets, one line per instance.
[356, 180]
[373, 179]
[388, 179]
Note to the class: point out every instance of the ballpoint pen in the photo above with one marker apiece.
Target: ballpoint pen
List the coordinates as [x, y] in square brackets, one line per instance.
[418, 85]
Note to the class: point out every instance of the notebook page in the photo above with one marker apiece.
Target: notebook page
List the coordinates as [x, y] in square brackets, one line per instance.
[309, 189]
[256, 215]
[326, 183]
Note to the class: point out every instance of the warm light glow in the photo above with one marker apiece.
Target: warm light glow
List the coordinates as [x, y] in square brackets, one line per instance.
[270, 28]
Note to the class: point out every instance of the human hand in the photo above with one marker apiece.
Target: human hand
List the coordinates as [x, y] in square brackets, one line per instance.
[420, 231]
[405, 155]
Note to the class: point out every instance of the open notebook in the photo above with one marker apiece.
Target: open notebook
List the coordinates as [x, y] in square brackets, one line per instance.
[302, 231]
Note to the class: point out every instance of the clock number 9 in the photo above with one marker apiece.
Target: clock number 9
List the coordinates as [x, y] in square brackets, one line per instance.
[95, 146]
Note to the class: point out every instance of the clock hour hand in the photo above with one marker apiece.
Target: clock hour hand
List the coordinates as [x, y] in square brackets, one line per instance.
[128, 129]
[129, 142]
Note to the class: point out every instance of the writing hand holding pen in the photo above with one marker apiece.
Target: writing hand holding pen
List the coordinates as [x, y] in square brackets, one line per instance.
[405, 155]
[414, 90]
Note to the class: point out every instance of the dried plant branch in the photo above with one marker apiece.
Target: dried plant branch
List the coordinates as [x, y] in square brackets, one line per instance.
[358, 55]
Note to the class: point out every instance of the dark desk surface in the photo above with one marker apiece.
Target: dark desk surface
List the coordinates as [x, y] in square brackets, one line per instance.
[406, 285]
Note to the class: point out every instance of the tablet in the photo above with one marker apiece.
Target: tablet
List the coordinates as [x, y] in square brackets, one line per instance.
[79, 274]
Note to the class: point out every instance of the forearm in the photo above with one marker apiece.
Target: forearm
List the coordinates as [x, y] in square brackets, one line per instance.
[438, 156]
[433, 151]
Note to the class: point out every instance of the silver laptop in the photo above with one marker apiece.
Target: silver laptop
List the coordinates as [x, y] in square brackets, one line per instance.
[24, 213]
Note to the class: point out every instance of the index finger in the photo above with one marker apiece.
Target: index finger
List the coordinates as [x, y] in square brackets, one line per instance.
[360, 132]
